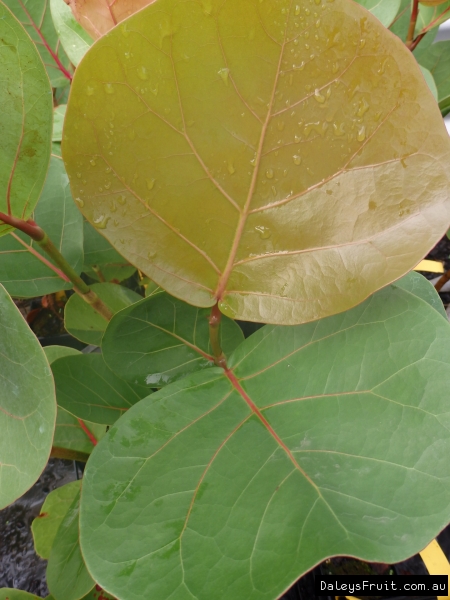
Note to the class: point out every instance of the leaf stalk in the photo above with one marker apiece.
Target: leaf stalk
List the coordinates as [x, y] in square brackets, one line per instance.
[214, 337]
[412, 23]
[37, 234]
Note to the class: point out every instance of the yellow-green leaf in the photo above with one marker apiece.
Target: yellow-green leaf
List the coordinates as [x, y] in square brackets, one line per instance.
[266, 157]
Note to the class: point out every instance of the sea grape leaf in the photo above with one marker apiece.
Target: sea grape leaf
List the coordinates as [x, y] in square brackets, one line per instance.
[97, 593]
[58, 122]
[84, 323]
[37, 20]
[416, 284]
[431, 17]
[67, 576]
[25, 120]
[298, 200]
[384, 10]
[74, 39]
[25, 269]
[27, 404]
[87, 389]
[427, 75]
[161, 339]
[45, 526]
[54, 352]
[99, 254]
[99, 16]
[73, 434]
[13, 594]
[436, 58]
[329, 438]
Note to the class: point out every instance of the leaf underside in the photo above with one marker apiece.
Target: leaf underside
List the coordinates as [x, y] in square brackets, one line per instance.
[264, 156]
[331, 438]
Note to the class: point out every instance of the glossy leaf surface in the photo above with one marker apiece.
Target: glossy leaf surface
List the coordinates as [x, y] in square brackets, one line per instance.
[36, 18]
[101, 260]
[67, 576]
[384, 10]
[84, 323]
[27, 404]
[161, 339]
[45, 526]
[99, 16]
[25, 269]
[25, 120]
[87, 389]
[297, 200]
[74, 39]
[330, 438]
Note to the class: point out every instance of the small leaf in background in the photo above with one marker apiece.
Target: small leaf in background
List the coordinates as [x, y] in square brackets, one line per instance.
[430, 81]
[419, 286]
[27, 404]
[384, 10]
[25, 269]
[13, 594]
[161, 339]
[58, 122]
[84, 323]
[54, 352]
[25, 120]
[67, 576]
[71, 434]
[54, 509]
[100, 255]
[74, 39]
[99, 16]
[36, 18]
[302, 198]
[87, 389]
[320, 440]
[436, 58]
[97, 593]
[432, 15]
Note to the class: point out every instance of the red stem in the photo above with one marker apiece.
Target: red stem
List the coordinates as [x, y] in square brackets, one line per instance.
[55, 57]
[89, 433]
[412, 23]
[29, 227]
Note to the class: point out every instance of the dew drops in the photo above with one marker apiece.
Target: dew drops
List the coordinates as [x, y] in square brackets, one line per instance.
[150, 183]
[80, 202]
[230, 167]
[121, 200]
[280, 125]
[362, 43]
[335, 67]
[101, 222]
[361, 134]
[108, 170]
[92, 161]
[274, 190]
[109, 89]
[297, 10]
[269, 173]
[142, 73]
[89, 90]
[317, 24]
[297, 159]
[107, 185]
[224, 73]
[79, 175]
[363, 107]
[112, 206]
[227, 310]
[151, 255]
[253, 161]
[319, 97]
[264, 232]
[339, 130]
[329, 192]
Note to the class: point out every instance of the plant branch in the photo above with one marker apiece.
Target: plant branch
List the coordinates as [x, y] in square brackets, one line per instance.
[37, 234]
[214, 336]
[442, 281]
[88, 432]
[412, 23]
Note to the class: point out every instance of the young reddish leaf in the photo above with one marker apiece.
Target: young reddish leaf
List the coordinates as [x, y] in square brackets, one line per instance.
[264, 156]
[97, 17]
[330, 438]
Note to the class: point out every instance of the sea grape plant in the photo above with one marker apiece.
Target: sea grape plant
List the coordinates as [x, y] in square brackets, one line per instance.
[267, 161]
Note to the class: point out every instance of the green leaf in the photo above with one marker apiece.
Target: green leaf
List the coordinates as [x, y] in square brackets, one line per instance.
[161, 339]
[13, 594]
[54, 352]
[25, 120]
[330, 438]
[25, 269]
[430, 81]
[384, 10]
[45, 526]
[58, 121]
[416, 284]
[95, 594]
[84, 323]
[74, 39]
[27, 404]
[67, 576]
[87, 389]
[99, 253]
[302, 198]
[71, 434]
[436, 58]
[36, 18]
[431, 17]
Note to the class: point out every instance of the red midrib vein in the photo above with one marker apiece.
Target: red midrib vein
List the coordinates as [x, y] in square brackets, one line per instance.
[237, 386]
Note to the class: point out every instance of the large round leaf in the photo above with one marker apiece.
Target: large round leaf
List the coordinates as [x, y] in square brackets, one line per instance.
[27, 404]
[25, 120]
[268, 157]
[324, 439]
